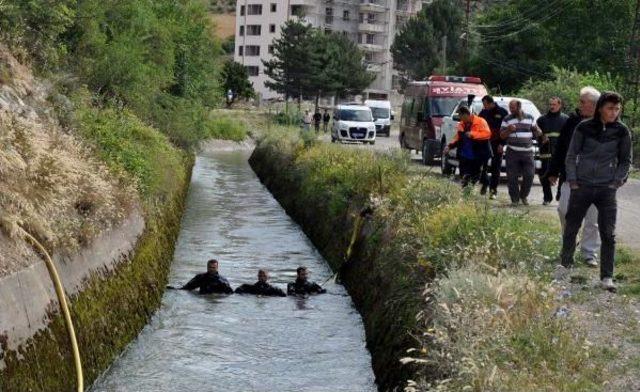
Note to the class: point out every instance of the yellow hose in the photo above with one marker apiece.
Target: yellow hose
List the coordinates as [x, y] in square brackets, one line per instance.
[53, 273]
[354, 236]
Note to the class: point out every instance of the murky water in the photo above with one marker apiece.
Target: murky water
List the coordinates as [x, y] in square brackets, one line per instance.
[244, 343]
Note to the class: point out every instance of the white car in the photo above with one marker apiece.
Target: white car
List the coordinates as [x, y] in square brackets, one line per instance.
[382, 115]
[449, 163]
[353, 123]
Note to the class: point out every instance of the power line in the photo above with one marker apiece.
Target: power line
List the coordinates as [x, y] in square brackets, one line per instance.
[522, 17]
[499, 37]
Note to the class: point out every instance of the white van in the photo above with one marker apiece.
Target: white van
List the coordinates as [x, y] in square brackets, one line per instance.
[382, 115]
[353, 123]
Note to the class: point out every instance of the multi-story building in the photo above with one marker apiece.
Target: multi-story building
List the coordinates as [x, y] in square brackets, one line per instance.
[370, 23]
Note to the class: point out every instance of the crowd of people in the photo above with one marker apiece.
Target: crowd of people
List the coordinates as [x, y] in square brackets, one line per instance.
[211, 282]
[586, 154]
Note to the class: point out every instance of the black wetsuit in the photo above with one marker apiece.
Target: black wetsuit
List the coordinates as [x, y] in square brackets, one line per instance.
[261, 288]
[304, 287]
[209, 283]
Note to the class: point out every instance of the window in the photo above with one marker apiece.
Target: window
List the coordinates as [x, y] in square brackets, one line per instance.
[254, 29]
[371, 39]
[345, 15]
[274, 7]
[297, 10]
[240, 50]
[371, 18]
[328, 15]
[327, 30]
[361, 18]
[252, 70]
[252, 50]
[254, 9]
[270, 49]
[242, 10]
[272, 28]
[368, 56]
[241, 31]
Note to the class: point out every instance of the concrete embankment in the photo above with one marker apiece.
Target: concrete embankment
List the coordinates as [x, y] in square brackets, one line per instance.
[388, 305]
[114, 285]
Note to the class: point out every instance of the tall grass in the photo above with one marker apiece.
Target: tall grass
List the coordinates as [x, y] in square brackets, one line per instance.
[487, 319]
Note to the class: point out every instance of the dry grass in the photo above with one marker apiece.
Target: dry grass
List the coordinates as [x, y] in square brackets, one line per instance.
[50, 183]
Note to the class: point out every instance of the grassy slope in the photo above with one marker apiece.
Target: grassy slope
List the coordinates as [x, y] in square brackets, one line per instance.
[489, 318]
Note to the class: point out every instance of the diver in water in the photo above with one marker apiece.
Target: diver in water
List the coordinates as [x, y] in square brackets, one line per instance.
[210, 281]
[302, 285]
[261, 287]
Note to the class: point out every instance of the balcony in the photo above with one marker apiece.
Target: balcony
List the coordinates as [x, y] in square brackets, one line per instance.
[373, 67]
[371, 27]
[372, 7]
[371, 47]
[310, 3]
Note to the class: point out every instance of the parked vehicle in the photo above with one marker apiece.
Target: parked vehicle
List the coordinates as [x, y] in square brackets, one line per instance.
[425, 104]
[382, 115]
[450, 163]
[353, 123]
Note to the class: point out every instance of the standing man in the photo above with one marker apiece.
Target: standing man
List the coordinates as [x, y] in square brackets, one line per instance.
[210, 281]
[590, 240]
[518, 130]
[550, 124]
[493, 115]
[306, 120]
[317, 118]
[603, 146]
[472, 142]
[325, 120]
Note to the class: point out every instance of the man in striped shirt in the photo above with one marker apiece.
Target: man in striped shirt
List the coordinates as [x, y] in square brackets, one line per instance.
[519, 130]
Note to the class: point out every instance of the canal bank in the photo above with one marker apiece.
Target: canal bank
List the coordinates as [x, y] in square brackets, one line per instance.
[111, 300]
[453, 293]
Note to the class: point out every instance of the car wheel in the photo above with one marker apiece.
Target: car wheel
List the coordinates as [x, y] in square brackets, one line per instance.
[427, 153]
[446, 168]
[372, 142]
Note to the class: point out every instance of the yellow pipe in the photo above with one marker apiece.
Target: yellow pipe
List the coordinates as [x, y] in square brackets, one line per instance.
[53, 273]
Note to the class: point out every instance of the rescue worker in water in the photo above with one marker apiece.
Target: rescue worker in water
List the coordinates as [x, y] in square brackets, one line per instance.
[302, 285]
[261, 287]
[210, 281]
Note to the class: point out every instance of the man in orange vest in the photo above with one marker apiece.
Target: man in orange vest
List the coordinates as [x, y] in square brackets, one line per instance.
[472, 143]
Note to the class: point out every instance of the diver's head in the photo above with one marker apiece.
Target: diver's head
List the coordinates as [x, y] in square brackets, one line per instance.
[263, 276]
[302, 273]
[212, 266]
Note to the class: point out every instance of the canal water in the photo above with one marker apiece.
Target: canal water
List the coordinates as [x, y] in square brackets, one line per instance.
[237, 342]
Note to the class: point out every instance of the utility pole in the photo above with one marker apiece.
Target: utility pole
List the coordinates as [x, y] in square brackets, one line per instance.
[444, 54]
[634, 64]
[466, 30]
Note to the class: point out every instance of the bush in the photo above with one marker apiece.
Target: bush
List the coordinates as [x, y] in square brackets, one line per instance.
[126, 144]
[224, 127]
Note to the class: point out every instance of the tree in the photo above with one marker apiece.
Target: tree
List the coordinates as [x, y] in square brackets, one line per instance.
[337, 66]
[523, 39]
[307, 61]
[417, 47]
[289, 69]
[234, 77]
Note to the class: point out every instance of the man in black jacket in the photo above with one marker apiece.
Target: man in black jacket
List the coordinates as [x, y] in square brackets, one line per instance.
[261, 287]
[597, 164]
[590, 238]
[494, 115]
[302, 285]
[210, 281]
[550, 124]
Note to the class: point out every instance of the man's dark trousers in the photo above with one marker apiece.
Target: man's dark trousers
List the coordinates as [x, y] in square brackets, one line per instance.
[604, 198]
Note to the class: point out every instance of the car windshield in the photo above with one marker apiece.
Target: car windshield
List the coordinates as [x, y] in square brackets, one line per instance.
[354, 115]
[380, 113]
[443, 106]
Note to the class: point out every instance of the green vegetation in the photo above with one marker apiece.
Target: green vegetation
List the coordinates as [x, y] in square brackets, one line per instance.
[314, 63]
[235, 78]
[487, 319]
[158, 60]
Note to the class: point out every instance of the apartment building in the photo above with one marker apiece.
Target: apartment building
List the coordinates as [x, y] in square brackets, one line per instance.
[370, 23]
